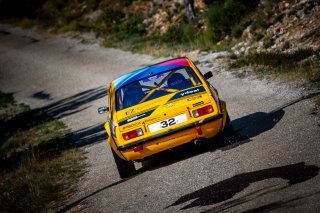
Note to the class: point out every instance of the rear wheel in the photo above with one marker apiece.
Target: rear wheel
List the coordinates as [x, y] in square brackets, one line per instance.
[228, 128]
[125, 168]
[227, 136]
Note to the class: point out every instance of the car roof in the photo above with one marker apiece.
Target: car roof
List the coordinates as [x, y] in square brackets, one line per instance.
[150, 70]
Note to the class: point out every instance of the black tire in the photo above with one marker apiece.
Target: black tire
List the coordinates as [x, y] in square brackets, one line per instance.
[228, 128]
[226, 136]
[125, 168]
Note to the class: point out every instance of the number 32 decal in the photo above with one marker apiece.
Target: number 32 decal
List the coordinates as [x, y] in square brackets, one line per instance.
[167, 123]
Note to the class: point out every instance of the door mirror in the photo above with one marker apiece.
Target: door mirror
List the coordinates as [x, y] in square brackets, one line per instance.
[208, 75]
[102, 110]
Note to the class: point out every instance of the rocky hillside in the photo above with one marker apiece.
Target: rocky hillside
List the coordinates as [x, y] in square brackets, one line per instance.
[245, 25]
[284, 26]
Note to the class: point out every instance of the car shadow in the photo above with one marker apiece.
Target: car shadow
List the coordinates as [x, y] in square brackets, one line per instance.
[228, 188]
[245, 128]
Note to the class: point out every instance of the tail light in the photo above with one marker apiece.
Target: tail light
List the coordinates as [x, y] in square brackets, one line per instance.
[202, 111]
[132, 134]
[114, 129]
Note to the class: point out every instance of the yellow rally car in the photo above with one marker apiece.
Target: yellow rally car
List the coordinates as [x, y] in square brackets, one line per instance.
[160, 107]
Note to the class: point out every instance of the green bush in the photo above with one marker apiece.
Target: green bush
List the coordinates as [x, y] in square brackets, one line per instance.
[260, 22]
[258, 36]
[5, 100]
[274, 59]
[173, 34]
[268, 42]
[223, 17]
[112, 16]
[92, 4]
[184, 34]
[237, 31]
[133, 26]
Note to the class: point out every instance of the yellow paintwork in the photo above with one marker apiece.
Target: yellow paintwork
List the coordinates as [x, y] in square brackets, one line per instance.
[163, 110]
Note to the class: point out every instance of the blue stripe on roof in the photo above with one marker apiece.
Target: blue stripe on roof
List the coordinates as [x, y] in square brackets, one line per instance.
[142, 73]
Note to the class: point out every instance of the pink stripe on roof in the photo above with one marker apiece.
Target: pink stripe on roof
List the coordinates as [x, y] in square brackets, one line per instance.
[179, 61]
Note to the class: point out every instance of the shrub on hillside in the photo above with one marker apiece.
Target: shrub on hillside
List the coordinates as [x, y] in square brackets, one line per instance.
[224, 18]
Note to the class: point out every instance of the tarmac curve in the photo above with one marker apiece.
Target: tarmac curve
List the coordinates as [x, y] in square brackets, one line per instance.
[270, 165]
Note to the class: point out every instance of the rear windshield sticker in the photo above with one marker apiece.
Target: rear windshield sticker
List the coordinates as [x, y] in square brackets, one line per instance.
[188, 92]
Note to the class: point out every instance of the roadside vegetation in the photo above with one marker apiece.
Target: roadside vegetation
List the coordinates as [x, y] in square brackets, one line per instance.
[39, 164]
[123, 25]
[303, 64]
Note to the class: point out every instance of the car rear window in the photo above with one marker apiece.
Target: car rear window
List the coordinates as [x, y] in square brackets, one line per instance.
[155, 86]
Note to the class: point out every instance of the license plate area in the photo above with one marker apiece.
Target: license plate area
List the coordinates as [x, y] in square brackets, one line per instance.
[167, 123]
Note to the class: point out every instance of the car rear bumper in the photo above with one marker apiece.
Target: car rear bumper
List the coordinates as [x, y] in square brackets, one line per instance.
[172, 138]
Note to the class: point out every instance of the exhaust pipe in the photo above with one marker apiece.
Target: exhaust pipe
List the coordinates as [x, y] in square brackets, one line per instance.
[197, 142]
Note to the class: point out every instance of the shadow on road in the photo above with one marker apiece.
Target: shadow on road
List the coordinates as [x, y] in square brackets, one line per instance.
[75, 203]
[75, 103]
[90, 135]
[283, 205]
[9, 9]
[245, 127]
[58, 109]
[248, 127]
[226, 189]
[42, 95]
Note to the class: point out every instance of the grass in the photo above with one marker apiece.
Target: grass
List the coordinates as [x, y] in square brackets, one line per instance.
[301, 66]
[5, 100]
[38, 186]
[39, 166]
[273, 59]
[43, 133]
[8, 107]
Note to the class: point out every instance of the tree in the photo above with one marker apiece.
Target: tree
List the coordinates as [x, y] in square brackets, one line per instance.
[189, 5]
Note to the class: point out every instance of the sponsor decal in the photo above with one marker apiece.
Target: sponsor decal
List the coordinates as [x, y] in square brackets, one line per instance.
[130, 112]
[131, 125]
[194, 98]
[135, 113]
[148, 106]
[198, 104]
[136, 117]
[152, 119]
[152, 78]
[169, 105]
[188, 93]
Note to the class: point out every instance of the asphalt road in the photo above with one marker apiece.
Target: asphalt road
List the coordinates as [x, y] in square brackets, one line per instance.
[271, 165]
